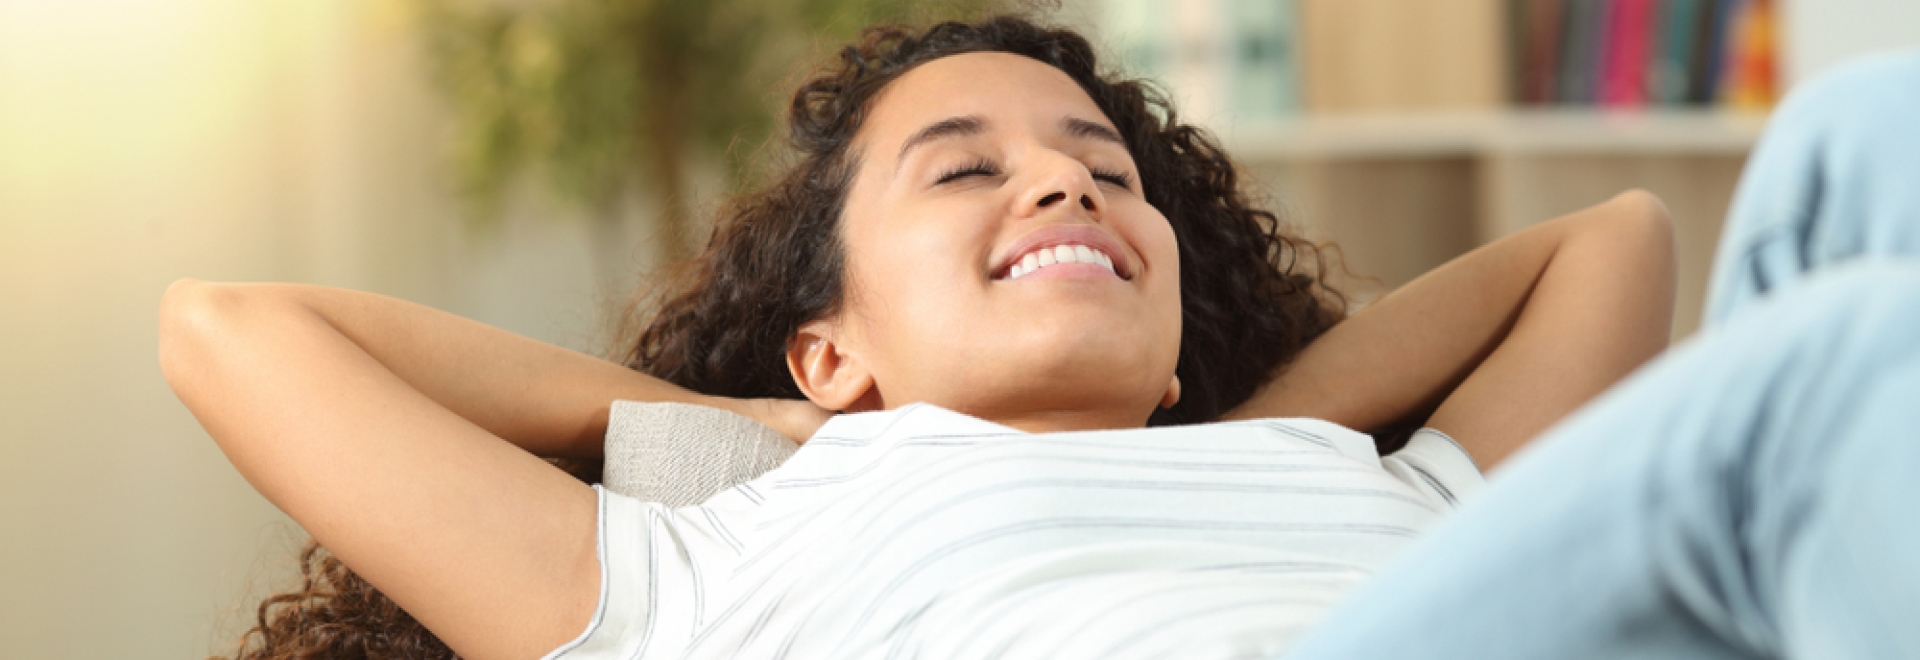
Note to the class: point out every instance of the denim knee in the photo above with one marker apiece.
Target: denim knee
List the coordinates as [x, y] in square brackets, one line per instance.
[1831, 180]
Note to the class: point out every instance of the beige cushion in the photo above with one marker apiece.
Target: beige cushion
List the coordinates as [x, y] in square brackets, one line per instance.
[681, 454]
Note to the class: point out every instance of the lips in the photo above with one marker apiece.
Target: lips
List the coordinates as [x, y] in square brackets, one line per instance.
[1063, 244]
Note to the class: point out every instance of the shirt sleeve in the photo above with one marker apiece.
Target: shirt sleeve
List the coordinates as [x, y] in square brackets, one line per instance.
[658, 564]
[620, 620]
[1437, 466]
[651, 591]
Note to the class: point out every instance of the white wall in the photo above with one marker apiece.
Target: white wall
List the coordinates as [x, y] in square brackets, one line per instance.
[1821, 33]
[146, 140]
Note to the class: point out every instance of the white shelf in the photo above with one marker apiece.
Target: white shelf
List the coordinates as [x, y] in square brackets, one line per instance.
[1543, 132]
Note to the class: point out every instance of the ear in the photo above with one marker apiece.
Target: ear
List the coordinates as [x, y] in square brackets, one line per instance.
[830, 377]
[1173, 394]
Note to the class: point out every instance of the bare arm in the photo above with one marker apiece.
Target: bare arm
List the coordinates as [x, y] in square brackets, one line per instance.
[1501, 342]
[548, 400]
[388, 431]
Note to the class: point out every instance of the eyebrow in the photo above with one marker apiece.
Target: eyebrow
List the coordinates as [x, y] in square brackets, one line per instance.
[1081, 128]
[970, 125]
[945, 128]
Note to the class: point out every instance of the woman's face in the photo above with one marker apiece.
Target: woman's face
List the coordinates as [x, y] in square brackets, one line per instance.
[1001, 258]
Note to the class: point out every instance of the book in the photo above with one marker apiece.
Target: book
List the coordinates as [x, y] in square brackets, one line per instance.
[1545, 27]
[1624, 59]
[1259, 59]
[1668, 77]
[1710, 69]
[1750, 68]
[1581, 51]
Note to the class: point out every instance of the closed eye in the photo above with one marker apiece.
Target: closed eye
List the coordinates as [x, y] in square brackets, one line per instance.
[982, 167]
[1115, 177]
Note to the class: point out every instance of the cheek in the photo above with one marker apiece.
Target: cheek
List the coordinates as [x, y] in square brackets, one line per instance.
[1155, 239]
[926, 256]
[1160, 246]
[908, 290]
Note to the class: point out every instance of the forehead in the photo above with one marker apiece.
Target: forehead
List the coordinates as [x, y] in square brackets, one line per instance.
[1004, 88]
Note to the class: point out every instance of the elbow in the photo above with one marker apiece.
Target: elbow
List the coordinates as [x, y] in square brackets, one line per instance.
[1642, 230]
[1647, 213]
[193, 316]
[1657, 224]
[1641, 221]
[179, 308]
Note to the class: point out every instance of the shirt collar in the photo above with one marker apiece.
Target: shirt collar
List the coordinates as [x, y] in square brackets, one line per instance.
[913, 419]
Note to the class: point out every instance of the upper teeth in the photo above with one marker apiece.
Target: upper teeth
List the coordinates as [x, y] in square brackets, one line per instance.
[1059, 254]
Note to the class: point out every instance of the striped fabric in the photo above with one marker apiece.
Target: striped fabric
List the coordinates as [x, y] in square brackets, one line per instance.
[925, 533]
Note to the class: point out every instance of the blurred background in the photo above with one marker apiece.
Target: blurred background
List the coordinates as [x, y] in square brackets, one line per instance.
[526, 162]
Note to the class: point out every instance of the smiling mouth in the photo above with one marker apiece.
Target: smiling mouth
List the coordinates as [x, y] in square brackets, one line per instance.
[1055, 255]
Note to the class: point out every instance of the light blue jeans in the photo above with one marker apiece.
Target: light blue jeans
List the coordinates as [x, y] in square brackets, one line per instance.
[1754, 493]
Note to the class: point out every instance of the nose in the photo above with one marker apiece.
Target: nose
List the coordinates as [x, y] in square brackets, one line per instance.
[1057, 196]
[1059, 179]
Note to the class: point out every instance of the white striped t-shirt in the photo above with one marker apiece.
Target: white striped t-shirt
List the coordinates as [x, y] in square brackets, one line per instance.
[925, 533]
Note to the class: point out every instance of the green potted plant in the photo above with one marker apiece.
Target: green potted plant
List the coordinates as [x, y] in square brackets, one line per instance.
[599, 99]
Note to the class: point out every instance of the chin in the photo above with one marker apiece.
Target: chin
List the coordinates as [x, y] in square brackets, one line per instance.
[1057, 363]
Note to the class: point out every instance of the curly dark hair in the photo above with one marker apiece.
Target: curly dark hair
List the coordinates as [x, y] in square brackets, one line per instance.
[1250, 295]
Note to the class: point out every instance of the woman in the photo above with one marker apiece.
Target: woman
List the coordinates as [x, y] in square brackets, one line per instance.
[889, 268]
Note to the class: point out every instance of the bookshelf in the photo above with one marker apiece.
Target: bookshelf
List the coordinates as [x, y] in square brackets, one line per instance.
[1513, 152]
[1411, 131]
[1491, 132]
[1401, 194]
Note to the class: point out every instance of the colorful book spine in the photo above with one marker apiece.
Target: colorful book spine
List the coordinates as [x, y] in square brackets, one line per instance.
[1246, 59]
[1701, 60]
[1623, 74]
[1546, 24]
[1712, 66]
[1638, 53]
[1668, 79]
[1750, 70]
[1580, 52]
